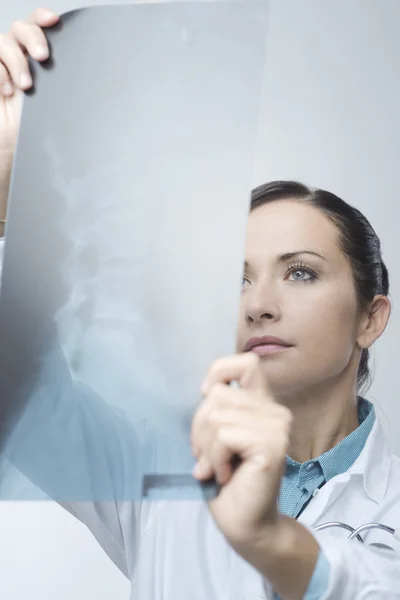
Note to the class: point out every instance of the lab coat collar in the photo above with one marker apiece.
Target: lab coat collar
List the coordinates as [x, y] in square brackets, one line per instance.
[374, 463]
[372, 467]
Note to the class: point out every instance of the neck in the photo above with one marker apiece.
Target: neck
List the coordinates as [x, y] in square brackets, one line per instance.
[321, 419]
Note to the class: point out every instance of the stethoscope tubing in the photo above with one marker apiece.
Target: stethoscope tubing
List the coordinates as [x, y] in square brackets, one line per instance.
[355, 533]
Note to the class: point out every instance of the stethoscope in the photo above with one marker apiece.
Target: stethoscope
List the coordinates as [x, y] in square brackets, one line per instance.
[355, 533]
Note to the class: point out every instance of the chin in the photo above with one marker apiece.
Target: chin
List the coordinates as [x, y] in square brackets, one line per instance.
[283, 380]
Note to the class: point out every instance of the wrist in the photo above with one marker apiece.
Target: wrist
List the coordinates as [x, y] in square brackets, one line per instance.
[271, 541]
[285, 553]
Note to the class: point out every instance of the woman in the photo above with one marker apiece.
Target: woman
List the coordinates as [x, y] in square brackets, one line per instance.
[311, 450]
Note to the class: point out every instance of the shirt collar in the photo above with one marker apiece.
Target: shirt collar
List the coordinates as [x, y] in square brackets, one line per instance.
[339, 459]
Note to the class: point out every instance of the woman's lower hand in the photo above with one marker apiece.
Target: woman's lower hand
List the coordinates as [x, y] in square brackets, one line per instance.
[242, 426]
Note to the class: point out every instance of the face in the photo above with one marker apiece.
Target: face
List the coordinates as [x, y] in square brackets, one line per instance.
[297, 288]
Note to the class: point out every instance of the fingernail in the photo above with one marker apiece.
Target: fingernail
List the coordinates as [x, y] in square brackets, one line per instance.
[41, 52]
[25, 80]
[8, 89]
[45, 13]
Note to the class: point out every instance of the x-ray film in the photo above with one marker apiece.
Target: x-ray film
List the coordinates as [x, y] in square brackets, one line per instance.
[125, 242]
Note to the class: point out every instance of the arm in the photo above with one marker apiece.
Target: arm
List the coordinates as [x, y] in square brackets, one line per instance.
[320, 579]
[361, 571]
[69, 442]
[79, 451]
[354, 570]
[286, 554]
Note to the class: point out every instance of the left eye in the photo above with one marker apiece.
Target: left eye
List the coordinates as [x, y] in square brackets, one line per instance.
[301, 275]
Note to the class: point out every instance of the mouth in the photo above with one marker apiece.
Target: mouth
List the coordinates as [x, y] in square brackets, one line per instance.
[266, 345]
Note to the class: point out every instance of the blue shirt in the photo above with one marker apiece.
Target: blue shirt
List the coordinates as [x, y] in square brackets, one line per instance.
[302, 479]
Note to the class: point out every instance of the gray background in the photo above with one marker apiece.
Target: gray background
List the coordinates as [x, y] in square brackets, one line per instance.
[330, 118]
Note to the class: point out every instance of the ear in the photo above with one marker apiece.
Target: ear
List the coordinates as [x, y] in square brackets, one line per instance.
[374, 321]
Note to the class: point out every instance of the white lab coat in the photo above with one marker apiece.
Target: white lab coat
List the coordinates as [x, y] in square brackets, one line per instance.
[173, 550]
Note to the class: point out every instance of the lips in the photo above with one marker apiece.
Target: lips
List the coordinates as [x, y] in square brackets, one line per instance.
[265, 341]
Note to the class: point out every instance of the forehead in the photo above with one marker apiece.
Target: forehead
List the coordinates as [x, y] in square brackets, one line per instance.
[289, 226]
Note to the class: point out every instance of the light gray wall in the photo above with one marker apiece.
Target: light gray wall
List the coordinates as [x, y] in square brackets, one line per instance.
[46, 554]
[330, 119]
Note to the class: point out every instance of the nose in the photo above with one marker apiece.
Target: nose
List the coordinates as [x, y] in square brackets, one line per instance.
[261, 304]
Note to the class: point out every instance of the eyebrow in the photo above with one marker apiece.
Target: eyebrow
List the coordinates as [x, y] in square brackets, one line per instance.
[290, 255]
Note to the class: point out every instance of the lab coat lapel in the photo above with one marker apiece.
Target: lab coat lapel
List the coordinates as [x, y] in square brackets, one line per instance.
[324, 499]
[373, 466]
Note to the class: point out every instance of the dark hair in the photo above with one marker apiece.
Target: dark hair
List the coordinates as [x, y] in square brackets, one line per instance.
[358, 241]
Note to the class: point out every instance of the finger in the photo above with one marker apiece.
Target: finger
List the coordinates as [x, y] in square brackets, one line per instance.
[198, 431]
[235, 440]
[203, 470]
[219, 469]
[207, 424]
[242, 368]
[220, 458]
[44, 17]
[260, 455]
[15, 62]
[251, 435]
[6, 87]
[226, 396]
[204, 425]
[225, 404]
[31, 38]
[261, 423]
[205, 421]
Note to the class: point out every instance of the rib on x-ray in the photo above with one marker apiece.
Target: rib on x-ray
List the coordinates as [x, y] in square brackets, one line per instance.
[125, 241]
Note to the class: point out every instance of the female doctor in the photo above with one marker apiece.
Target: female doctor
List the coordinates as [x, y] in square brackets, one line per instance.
[311, 449]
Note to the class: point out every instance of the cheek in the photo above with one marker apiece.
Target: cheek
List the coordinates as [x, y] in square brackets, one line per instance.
[325, 326]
